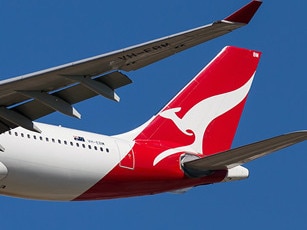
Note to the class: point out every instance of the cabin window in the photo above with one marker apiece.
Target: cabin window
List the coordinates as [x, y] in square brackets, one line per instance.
[16, 134]
[107, 150]
[65, 142]
[59, 141]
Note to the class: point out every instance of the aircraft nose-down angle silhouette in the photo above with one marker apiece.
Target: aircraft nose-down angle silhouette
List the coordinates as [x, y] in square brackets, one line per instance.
[186, 144]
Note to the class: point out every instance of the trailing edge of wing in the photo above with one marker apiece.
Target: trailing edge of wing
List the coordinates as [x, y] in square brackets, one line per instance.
[64, 81]
[244, 154]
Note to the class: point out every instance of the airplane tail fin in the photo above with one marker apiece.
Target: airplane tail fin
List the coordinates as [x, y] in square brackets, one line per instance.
[203, 117]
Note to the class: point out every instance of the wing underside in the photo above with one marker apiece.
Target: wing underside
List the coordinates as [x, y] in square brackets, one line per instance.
[29, 97]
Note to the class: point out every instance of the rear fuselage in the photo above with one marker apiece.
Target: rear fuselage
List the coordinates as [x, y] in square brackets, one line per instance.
[67, 164]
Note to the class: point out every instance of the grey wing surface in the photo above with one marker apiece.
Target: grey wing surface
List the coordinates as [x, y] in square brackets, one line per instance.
[242, 155]
[29, 97]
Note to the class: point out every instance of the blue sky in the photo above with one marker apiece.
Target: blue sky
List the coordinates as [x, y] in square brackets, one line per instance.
[39, 34]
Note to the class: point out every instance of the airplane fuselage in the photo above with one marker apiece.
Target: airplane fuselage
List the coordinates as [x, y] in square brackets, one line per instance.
[171, 152]
[68, 164]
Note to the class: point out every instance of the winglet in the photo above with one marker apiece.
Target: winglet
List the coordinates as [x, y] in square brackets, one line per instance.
[245, 14]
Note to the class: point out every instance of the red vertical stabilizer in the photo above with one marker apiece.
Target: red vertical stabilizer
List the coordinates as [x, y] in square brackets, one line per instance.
[204, 116]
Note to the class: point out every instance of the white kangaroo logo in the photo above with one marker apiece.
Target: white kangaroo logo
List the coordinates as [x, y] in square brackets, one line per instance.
[212, 108]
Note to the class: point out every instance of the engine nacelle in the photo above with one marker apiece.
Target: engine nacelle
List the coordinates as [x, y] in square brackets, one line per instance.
[236, 173]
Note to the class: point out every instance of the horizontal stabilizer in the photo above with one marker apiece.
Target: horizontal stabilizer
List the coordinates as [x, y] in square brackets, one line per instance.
[244, 154]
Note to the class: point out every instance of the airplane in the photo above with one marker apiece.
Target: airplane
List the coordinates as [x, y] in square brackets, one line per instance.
[186, 144]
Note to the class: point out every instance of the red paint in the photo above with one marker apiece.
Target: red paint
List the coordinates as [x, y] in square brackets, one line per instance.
[219, 135]
[245, 14]
[232, 69]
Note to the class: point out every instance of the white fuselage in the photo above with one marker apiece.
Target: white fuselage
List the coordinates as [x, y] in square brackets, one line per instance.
[58, 164]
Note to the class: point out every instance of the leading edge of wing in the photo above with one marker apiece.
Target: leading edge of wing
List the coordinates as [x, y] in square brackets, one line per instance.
[121, 59]
[91, 75]
[242, 155]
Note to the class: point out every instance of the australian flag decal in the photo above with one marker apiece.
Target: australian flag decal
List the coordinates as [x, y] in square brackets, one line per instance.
[78, 138]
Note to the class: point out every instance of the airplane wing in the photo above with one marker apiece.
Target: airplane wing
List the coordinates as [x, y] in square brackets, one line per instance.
[29, 97]
[242, 155]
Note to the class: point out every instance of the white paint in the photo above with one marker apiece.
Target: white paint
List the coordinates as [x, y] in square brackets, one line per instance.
[236, 173]
[210, 109]
[45, 170]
